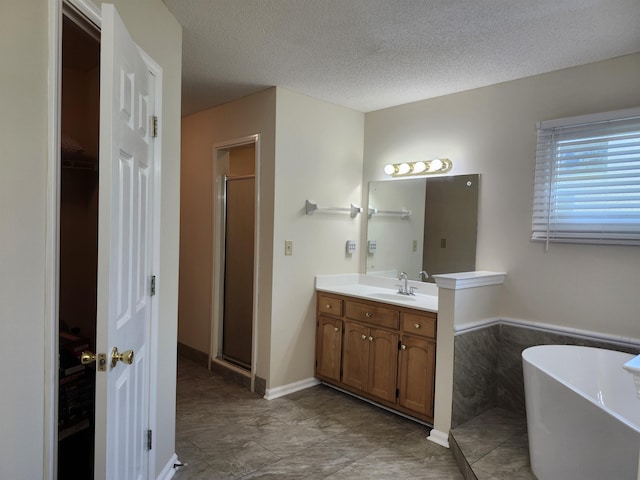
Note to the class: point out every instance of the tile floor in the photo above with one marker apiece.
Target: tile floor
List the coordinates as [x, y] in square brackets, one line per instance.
[495, 446]
[225, 432]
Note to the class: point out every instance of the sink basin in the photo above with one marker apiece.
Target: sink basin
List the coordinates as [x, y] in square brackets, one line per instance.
[396, 297]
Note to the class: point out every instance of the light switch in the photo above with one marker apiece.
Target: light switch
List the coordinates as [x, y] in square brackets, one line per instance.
[415, 246]
[288, 247]
[372, 245]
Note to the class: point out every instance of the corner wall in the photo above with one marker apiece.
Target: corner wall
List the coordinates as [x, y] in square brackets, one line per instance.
[318, 158]
[491, 131]
[200, 132]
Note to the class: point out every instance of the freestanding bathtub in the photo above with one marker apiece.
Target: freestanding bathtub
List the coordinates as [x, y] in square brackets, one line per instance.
[583, 414]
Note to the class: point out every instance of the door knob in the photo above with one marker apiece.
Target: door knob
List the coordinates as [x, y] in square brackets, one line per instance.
[87, 358]
[124, 357]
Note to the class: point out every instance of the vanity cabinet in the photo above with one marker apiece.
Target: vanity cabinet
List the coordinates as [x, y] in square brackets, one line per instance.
[382, 352]
[370, 361]
[329, 347]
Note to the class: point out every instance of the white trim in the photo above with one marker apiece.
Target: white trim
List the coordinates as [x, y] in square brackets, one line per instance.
[50, 368]
[590, 118]
[277, 392]
[547, 327]
[441, 438]
[168, 471]
[88, 9]
[473, 326]
[459, 281]
[156, 71]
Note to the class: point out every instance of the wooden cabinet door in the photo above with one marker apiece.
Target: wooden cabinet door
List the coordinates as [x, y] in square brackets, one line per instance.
[417, 374]
[329, 347]
[383, 364]
[355, 361]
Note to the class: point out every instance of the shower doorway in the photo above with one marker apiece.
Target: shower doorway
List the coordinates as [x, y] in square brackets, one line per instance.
[235, 268]
[237, 321]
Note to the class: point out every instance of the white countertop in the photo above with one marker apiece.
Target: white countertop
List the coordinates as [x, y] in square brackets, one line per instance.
[380, 289]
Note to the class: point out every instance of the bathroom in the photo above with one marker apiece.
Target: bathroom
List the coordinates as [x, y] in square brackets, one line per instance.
[316, 151]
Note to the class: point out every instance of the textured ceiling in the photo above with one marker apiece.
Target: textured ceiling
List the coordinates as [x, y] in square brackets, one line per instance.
[372, 54]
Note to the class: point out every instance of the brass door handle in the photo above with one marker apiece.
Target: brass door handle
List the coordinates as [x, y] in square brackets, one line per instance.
[124, 357]
[87, 358]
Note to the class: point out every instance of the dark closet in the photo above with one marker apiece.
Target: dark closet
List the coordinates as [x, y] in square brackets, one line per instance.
[78, 252]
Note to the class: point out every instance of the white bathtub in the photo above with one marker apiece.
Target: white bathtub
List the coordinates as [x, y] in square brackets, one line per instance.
[583, 414]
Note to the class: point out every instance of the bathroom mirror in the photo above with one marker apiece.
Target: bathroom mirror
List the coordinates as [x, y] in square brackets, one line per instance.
[422, 224]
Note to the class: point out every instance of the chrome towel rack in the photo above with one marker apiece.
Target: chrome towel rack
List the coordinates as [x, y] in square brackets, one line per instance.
[311, 208]
[404, 213]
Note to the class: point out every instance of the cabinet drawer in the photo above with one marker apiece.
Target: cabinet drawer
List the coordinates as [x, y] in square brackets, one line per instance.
[384, 317]
[419, 325]
[330, 306]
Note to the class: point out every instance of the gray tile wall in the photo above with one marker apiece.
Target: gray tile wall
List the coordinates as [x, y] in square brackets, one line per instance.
[488, 366]
[474, 373]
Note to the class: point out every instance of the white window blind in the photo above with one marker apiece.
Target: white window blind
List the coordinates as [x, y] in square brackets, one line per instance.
[587, 183]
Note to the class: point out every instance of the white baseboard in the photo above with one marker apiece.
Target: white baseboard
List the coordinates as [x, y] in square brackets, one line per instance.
[439, 437]
[168, 471]
[277, 392]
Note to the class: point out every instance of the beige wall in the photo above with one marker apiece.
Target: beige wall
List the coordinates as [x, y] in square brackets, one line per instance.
[308, 149]
[251, 115]
[491, 131]
[24, 132]
[23, 153]
[319, 158]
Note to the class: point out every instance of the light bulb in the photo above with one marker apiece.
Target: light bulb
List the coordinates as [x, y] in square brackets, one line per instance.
[419, 167]
[389, 169]
[403, 168]
[435, 165]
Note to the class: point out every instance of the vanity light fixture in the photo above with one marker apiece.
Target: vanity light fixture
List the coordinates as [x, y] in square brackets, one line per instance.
[426, 167]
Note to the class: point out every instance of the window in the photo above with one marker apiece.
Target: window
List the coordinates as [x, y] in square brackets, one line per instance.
[587, 184]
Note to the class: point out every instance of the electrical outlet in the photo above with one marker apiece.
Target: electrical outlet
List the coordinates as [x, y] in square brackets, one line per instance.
[351, 247]
[288, 247]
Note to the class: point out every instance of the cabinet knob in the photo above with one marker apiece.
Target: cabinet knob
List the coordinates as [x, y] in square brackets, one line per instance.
[328, 306]
[368, 314]
[364, 337]
[417, 325]
[335, 329]
[403, 347]
[371, 339]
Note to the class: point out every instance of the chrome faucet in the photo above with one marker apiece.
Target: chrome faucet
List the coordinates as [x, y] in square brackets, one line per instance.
[404, 288]
[423, 276]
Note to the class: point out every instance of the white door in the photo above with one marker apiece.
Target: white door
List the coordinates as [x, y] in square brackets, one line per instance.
[124, 254]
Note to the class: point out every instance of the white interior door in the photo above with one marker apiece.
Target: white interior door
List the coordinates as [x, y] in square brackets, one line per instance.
[124, 254]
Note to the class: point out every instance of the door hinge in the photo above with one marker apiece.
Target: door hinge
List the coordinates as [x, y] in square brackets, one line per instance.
[149, 439]
[152, 286]
[154, 126]
[399, 345]
[397, 392]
